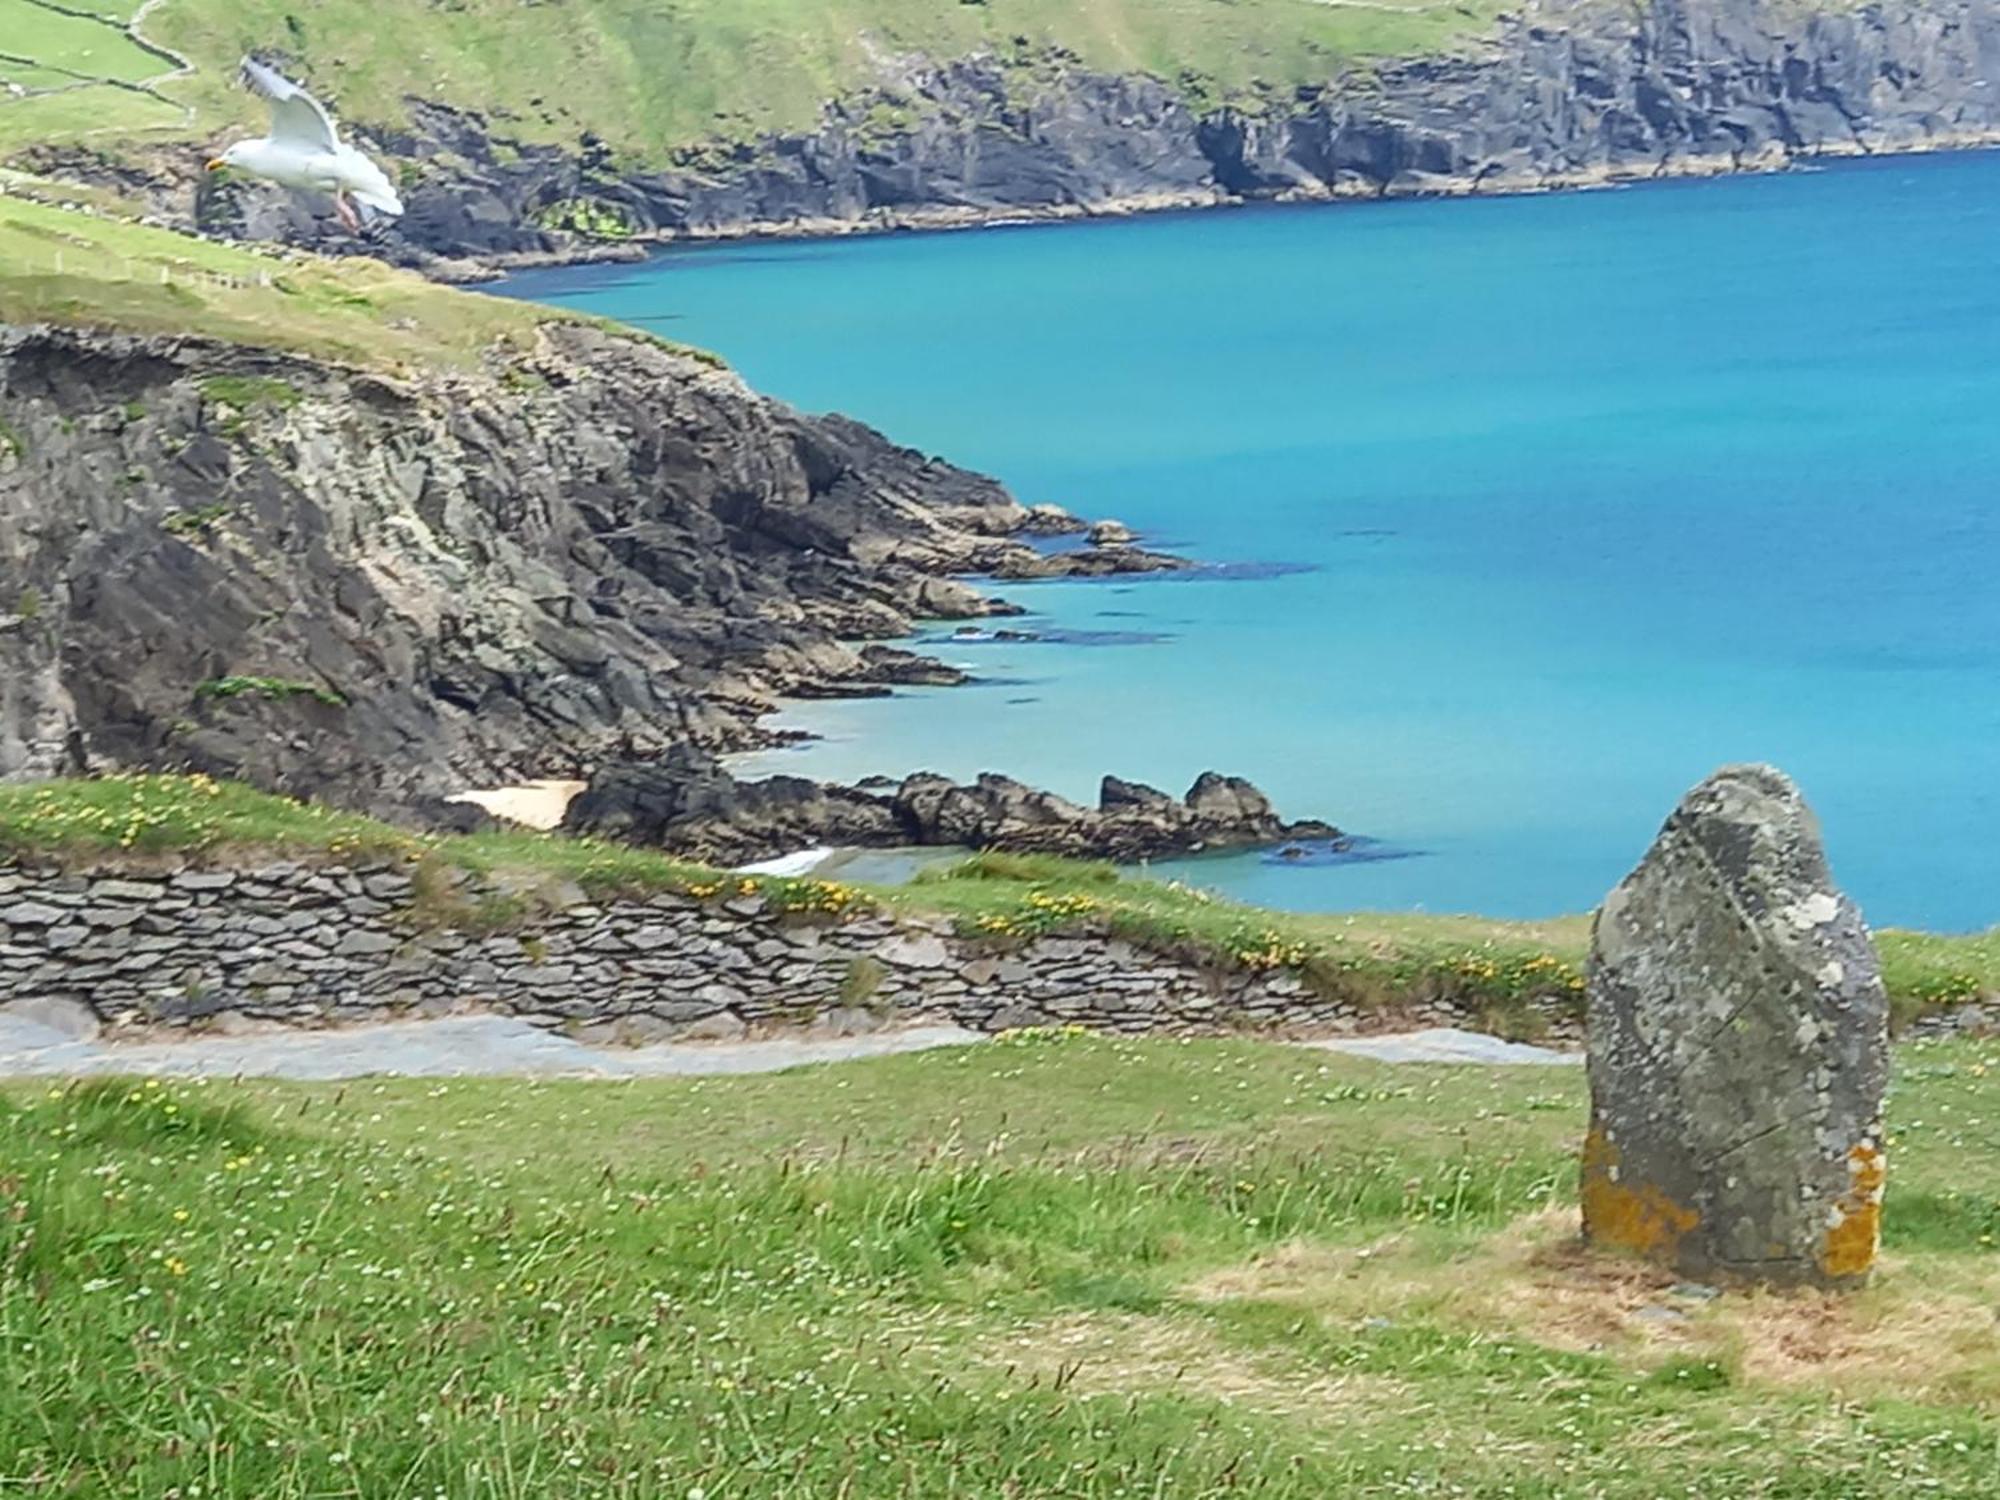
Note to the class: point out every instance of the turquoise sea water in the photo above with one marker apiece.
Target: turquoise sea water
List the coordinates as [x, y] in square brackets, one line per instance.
[1593, 493]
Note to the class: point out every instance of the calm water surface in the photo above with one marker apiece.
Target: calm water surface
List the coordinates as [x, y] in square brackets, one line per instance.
[1592, 494]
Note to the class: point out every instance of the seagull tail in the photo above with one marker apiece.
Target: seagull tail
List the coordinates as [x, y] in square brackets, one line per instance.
[378, 197]
[378, 205]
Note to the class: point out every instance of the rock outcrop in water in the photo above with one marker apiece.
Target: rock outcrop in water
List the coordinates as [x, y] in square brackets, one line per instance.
[1563, 93]
[377, 590]
[1738, 1049]
[689, 804]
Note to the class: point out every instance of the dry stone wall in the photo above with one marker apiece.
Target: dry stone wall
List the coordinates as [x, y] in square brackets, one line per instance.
[316, 945]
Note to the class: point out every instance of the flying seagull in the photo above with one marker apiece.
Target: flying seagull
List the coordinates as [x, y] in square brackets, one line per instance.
[302, 151]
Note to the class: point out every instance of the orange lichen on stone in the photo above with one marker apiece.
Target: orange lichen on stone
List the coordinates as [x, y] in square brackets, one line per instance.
[1850, 1244]
[1628, 1216]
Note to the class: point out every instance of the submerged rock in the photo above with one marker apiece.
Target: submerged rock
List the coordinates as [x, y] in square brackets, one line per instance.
[1090, 562]
[1738, 1049]
[908, 669]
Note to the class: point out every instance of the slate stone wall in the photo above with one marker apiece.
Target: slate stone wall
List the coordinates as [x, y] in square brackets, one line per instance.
[310, 945]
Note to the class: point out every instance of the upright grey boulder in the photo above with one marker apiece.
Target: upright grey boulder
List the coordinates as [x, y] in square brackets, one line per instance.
[1738, 1049]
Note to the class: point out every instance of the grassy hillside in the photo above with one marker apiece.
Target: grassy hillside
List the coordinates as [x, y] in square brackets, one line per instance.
[651, 75]
[78, 258]
[1379, 958]
[68, 260]
[76, 72]
[1047, 1267]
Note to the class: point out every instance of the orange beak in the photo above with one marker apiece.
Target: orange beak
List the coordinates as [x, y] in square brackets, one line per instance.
[216, 164]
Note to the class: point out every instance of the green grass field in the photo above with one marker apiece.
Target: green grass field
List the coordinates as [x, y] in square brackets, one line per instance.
[73, 43]
[77, 74]
[70, 258]
[1049, 1266]
[78, 257]
[651, 76]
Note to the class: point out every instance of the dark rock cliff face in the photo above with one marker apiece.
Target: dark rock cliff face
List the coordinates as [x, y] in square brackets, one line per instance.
[1566, 92]
[377, 590]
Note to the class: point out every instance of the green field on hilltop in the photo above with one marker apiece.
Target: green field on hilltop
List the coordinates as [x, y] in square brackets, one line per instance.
[77, 257]
[1497, 970]
[75, 73]
[72, 42]
[1049, 1266]
[72, 259]
[649, 76]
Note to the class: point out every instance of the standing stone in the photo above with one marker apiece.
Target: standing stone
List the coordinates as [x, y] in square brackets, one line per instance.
[1738, 1049]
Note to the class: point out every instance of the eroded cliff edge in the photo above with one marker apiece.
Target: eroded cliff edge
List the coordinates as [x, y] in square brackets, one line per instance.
[378, 589]
[1562, 93]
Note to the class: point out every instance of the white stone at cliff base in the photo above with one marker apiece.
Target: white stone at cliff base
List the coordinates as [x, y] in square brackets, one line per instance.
[533, 804]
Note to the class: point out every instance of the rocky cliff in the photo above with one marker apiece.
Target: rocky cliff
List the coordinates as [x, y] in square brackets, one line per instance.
[378, 589]
[1564, 92]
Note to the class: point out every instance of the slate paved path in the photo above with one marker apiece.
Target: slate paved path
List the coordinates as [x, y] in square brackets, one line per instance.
[457, 1046]
[45, 1041]
[1446, 1044]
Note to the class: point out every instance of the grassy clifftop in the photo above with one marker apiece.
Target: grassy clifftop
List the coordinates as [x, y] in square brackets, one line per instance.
[79, 258]
[651, 76]
[76, 260]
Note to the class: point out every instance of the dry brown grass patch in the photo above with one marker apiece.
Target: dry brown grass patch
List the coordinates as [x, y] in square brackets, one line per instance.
[1296, 1271]
[1927, 1329]
[1102, 1353]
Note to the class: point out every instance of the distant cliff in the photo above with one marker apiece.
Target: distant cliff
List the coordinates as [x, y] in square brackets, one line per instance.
[1561, 93]
[377, 588]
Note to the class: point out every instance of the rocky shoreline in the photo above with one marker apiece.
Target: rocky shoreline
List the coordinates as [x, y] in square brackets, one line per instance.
[688, 803]
[589, 558]
[641, 247]
[599, 550]
[1561, 94]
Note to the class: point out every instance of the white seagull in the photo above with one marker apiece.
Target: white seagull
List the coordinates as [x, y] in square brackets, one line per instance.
[303, 151]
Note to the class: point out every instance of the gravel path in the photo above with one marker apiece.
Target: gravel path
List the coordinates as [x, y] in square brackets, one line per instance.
[38, 1040]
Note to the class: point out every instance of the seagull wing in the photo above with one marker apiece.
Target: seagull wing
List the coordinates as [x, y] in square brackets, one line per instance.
[296, 117]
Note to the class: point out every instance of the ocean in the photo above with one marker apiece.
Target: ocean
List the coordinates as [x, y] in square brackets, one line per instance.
[1535, 511]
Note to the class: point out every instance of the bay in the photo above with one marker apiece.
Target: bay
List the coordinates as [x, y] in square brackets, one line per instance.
[1586, 495]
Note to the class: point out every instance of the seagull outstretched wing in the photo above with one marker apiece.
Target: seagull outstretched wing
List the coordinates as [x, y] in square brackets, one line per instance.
[296, 117]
